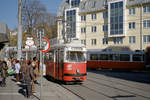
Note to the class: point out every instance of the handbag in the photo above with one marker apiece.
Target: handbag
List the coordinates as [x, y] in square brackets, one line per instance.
[10, 71]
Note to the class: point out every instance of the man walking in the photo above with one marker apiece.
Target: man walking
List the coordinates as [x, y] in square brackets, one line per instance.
[29, 76]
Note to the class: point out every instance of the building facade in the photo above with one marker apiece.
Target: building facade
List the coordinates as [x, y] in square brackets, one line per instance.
[103, 23]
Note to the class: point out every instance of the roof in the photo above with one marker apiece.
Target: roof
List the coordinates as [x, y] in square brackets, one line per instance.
[3, 28]
[91, 5]
[95, 5]
[3, 33]
[62, 8]
[135, 2]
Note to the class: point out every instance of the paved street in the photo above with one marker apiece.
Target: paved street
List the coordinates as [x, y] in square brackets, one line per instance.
[113, 85]
[100, 85]
[51, 91]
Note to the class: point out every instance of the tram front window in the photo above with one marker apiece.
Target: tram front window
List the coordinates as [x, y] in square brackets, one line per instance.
[74, 56]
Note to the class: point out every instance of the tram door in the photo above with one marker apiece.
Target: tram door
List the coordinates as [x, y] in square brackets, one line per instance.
[57, 64]
[61, 64]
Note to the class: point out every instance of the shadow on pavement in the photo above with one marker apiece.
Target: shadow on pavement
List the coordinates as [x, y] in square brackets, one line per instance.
[22, 90]
[13, 80]
[137, 76]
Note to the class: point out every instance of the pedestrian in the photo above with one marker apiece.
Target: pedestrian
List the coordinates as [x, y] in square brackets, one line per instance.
[4, 68]
[29, 76]
[35, 68]
[9, 63]
[17, 71]
[23, 70]
[34, 73]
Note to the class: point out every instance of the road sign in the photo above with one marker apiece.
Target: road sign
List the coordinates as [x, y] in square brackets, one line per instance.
[47, 47]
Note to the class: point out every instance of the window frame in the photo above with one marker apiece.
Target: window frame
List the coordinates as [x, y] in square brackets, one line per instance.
[94, 16]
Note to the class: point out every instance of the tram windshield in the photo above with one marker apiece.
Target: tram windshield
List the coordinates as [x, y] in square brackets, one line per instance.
[75, 56]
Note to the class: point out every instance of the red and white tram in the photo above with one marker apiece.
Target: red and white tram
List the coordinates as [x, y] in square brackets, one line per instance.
[147, 57]
[115, 60]
[66, 62]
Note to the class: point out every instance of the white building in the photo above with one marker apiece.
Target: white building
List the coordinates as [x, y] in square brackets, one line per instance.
[103, 23]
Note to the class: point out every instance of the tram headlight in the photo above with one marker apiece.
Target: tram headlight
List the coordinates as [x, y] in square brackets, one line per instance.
[69, 67]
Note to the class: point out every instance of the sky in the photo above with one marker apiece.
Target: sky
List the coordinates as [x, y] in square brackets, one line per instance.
[9, 10]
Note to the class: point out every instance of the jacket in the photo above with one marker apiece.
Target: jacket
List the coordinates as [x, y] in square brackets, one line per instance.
[4, 68]
[29, 75]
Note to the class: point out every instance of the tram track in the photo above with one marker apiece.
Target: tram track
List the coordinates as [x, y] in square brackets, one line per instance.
[95, 91]
[118, 89]
[87, 88]
[119, 83]
[73, 92]
[123, 82]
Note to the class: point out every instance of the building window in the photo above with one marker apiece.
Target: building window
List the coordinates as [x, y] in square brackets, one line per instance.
[105, 40]
[105, 15]
[93, 16]
[146, 9]
[116, 18]
[68, 1]
[93, 29]
[132, 39]
[132, 11]
[93, 42]
[62, 32]
[83, 18]
[71, 23]
[83, 30]
[118, 40]
[146, 38]
[75, 3]
[146, 23]
[83, 42]
[93, 3]
[105, 28]
[131, 25]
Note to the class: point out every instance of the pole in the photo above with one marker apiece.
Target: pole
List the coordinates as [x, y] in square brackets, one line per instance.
[19, 42]
[41, 67]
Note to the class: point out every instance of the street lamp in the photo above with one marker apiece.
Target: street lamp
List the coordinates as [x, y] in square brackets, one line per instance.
[19, 52]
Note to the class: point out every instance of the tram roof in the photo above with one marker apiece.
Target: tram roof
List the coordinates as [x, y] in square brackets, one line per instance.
[115, 49]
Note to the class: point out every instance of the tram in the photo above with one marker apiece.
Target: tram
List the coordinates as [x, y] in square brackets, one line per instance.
[67, 62]
[116, 60]
[147, 57]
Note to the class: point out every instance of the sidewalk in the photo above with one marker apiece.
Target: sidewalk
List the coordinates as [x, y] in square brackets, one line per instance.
[51, 91]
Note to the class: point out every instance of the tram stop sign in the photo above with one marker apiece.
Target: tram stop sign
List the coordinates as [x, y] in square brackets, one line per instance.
[46, 44]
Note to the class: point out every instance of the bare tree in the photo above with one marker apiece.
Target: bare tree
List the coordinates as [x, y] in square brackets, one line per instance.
[33, 11]
[34, 15]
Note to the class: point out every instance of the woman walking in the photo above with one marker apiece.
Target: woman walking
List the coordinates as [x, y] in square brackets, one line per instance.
[4, 68]
[17, 71]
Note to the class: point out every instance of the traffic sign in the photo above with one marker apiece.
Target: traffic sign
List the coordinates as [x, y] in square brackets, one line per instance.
[47, 47]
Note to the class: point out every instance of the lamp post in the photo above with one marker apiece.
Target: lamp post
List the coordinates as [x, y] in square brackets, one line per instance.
[40, 34]
[19, 43]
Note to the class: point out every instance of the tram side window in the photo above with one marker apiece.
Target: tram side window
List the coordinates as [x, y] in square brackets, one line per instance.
[124, 57]
[94, 57]
[110, 57]
[137, 57]
[116, 57]
[51, 56]
[104, 57]
[46, 57]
